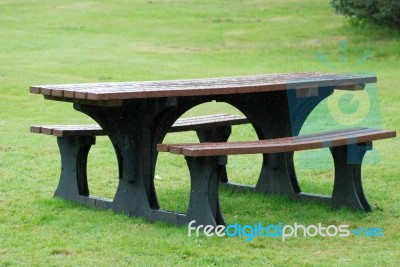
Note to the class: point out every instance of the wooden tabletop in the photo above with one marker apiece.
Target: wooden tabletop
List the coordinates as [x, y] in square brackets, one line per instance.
[211, 86]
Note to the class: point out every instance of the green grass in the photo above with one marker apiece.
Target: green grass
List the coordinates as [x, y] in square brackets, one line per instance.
[49, 42]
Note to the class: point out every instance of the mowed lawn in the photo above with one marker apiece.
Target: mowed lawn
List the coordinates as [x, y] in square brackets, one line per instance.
[53, 42]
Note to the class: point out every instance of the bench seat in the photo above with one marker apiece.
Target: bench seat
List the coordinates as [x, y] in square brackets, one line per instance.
[287, 144]
[205, 161]
[183, 124]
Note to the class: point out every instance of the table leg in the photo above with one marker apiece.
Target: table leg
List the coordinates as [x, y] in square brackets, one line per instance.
[135, 129]
[278, 114]
[269, 114]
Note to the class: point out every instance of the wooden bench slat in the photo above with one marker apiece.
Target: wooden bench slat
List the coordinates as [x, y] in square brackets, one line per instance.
[277, 141]
[68, 130]
[305, 142]
[208, 121]
[184, 124]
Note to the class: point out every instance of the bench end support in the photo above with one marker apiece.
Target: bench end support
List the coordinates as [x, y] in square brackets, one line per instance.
[204, 204]
[347, 189]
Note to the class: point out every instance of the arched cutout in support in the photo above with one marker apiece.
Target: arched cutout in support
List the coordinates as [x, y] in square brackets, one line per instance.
[176, 174]
[102, 178]
[73, 184]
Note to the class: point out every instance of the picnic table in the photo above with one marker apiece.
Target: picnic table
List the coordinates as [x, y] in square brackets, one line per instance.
[136, 116]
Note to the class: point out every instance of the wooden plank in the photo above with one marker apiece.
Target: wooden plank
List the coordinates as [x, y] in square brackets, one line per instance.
[105, 103]
[196, 87]
[68, 130]
[306, 142]
[184, 124]
[206, 122]
[36, 129]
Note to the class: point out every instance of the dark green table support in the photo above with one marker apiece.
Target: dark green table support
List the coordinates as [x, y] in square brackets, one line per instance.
[138, 125]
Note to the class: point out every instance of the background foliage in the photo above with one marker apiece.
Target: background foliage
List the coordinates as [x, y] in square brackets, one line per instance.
[381, 12]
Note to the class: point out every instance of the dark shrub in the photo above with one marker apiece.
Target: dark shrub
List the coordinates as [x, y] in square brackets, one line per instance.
[381, 12]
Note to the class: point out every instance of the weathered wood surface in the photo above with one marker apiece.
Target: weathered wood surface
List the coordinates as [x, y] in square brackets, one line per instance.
[113, 91]
[183, 124]
[287, 144]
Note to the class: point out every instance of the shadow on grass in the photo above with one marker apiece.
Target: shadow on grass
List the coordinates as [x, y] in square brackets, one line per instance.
[245, 207]
[250, 208]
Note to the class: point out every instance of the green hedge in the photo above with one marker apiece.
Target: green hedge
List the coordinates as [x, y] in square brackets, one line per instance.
[381, 12]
